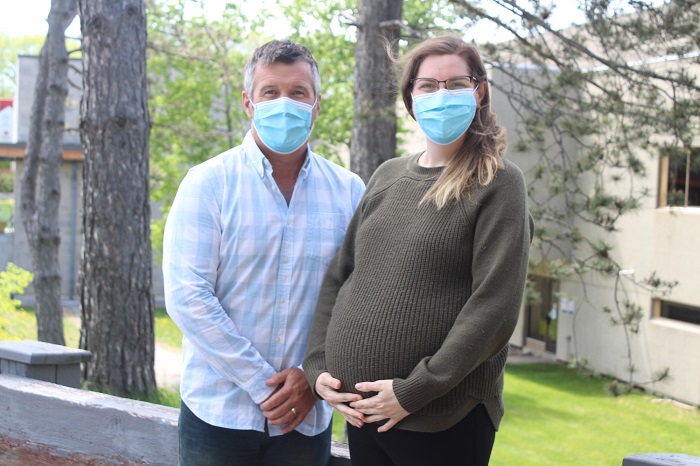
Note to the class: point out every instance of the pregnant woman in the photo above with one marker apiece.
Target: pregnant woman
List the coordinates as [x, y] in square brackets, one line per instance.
[411, 331]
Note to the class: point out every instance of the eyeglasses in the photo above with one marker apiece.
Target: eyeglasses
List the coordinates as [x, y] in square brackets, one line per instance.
[451, 84]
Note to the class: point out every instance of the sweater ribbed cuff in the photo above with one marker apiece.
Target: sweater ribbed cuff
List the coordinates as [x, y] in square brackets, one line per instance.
[410, 396]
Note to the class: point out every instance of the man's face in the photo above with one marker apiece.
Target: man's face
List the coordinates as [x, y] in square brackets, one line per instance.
[294, 81]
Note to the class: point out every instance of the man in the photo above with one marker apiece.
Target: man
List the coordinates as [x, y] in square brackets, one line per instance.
[247, 241]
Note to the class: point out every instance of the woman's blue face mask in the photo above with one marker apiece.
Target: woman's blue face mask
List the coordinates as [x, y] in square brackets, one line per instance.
[283, 124]
[445, 115]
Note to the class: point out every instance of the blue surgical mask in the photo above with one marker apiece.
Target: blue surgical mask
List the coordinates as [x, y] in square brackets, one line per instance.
[283, 124]
[445, 115]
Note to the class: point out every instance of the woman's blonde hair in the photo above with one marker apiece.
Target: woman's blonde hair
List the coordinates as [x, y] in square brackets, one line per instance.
[481, 155]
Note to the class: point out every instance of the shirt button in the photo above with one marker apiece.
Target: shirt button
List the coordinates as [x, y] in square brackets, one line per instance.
[285, 260]
[281, 300]
[277, 340]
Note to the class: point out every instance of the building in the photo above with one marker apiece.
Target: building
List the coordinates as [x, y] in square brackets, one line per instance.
[571, 322]
[70, 216]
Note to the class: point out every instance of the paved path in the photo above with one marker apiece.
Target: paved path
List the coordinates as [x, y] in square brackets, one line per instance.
[528, 356]
[168, 366]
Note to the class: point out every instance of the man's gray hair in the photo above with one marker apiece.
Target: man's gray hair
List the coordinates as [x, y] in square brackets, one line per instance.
[280, 51]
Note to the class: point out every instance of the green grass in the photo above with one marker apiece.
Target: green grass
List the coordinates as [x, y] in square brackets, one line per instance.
[339, 427]
[20, 324]
[167, 333]
[7, 209]
[557, 416]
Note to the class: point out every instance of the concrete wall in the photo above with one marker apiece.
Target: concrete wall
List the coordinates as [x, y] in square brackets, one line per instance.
[44, 423]
[80, 424]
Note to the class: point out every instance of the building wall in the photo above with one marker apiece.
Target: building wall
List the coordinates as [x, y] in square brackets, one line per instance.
[71, 179]
[662, 240]
[27, 71]
[70, 224]
[69, 219]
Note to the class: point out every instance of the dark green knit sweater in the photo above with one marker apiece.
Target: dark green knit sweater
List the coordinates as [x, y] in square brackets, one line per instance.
[426, 297]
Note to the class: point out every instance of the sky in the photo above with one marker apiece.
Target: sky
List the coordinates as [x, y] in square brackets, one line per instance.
[25, 17]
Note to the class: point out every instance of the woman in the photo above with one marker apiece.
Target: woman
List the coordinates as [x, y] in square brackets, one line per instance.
[411, 331]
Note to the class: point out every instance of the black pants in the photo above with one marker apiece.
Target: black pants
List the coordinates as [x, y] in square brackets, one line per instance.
[468, 443]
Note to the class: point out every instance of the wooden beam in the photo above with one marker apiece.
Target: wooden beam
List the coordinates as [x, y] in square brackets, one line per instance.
[17, 152]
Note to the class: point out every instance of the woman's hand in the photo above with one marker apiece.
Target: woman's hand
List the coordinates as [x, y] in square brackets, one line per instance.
[327, 387]
[383, 405]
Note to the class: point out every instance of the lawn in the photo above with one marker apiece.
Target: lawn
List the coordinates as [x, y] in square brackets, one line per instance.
[557, 416]
[21, 325]
[554, 415]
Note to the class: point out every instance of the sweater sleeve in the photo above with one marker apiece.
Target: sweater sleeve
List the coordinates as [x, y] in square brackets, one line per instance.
[339, 270]
[502, 234]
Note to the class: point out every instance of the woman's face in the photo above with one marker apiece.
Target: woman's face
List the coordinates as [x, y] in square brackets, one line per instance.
[442, 68]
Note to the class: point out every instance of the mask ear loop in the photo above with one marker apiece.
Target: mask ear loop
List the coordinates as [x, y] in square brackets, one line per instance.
[313, 122]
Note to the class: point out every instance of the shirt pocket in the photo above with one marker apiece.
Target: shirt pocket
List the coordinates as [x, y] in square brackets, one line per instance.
[324, 235]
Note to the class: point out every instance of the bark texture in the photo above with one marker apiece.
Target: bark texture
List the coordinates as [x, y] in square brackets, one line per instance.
[115, 282]
[41, 188]
[374, 116]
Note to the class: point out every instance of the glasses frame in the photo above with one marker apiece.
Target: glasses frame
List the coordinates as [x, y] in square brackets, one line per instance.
[472, 80]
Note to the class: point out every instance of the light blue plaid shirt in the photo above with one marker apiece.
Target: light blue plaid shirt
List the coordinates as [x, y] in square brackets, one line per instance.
[242, 274]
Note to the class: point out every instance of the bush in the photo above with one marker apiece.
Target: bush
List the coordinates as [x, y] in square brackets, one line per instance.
[7, 182]
[7, 210]
[13, 281]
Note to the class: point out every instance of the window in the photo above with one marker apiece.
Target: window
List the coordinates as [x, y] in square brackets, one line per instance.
[543, 314]
[676, 311]
[679, 178]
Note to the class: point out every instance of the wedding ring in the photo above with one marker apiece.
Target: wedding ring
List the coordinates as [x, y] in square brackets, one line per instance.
[294, 411]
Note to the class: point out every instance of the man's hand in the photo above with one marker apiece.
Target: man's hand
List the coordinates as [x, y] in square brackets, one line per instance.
[327, 387]
[383, 405]
[290, 402]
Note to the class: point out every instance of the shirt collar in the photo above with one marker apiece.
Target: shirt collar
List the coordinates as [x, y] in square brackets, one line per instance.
[260, 162]
[254, 154]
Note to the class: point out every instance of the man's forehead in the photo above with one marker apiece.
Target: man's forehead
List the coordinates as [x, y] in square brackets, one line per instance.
[297, 74]
[297, 67]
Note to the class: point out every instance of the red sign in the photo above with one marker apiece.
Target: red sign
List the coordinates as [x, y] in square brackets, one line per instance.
[6, 120]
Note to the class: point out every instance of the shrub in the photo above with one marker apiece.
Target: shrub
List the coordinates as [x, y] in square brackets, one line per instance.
[13, 281]
[7, 182]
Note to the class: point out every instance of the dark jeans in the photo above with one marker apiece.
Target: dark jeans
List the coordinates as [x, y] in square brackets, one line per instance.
[207, 445]
[468, 443]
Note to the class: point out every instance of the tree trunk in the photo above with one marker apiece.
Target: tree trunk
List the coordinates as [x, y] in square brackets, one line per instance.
[42, 164]
[116, 298]
[374, 118]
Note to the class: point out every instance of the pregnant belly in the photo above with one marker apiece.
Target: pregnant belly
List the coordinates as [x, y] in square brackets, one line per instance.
[368, 349]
